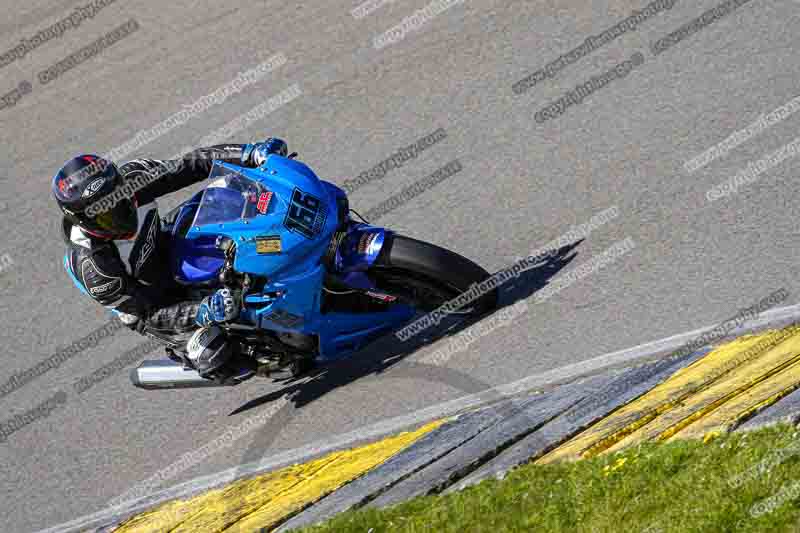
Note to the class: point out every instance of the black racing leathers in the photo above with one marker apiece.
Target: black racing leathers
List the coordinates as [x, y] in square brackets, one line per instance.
[133, 277]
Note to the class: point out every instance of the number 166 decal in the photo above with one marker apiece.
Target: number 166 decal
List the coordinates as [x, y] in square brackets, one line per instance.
[306, 214]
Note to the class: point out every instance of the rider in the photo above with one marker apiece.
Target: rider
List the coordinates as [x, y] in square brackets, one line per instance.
[116, 251]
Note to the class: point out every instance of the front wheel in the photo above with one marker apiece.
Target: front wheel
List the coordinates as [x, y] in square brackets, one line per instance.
[426, 276]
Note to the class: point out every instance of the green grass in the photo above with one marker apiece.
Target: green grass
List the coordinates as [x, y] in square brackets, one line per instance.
[682, 487]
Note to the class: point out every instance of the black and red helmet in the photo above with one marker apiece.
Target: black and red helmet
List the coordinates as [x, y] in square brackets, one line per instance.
[78, 187]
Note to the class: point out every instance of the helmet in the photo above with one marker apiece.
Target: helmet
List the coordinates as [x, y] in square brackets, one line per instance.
[80, 183]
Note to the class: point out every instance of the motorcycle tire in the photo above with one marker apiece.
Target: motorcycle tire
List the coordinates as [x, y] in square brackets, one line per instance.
[426, 276]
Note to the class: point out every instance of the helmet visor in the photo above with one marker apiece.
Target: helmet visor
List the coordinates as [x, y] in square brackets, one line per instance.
[119, 222]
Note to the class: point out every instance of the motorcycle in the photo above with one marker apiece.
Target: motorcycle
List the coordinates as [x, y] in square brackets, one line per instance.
[316, 284]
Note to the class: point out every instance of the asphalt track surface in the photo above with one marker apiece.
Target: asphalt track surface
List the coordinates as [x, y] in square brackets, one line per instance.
[523, 184]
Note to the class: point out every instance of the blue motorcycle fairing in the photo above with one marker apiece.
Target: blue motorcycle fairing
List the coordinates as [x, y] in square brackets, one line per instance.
[300, 220]
[286, 245]
[197, 260]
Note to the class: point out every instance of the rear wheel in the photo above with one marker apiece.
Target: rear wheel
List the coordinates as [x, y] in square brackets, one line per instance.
[426, 276]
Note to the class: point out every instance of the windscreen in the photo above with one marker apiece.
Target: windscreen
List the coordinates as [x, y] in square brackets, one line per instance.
[229, 197]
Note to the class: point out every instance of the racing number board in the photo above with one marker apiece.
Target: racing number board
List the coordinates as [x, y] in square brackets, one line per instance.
[306, 214]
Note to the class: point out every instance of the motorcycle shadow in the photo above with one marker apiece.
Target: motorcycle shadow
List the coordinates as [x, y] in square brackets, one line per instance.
[391, 352]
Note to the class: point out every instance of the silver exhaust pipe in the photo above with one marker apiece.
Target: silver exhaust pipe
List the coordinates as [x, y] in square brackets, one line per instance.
[167, 374]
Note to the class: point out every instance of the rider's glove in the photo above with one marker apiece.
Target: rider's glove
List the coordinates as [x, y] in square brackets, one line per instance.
[254, 155]
[222, 306]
